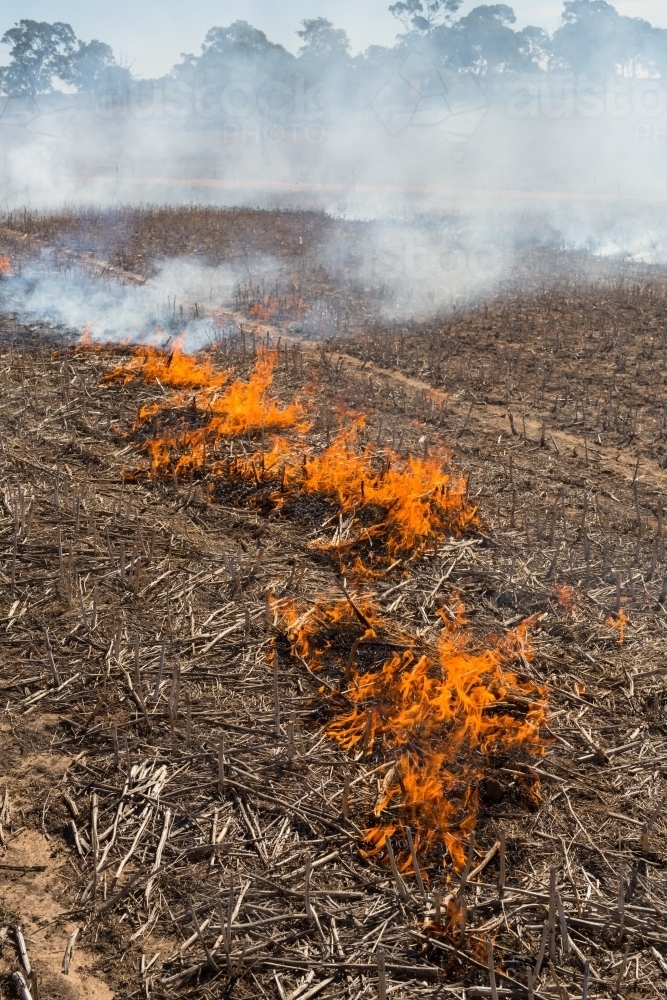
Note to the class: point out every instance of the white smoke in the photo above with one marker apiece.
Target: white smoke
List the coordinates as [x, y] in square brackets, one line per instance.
[395, 269]
[182, 300]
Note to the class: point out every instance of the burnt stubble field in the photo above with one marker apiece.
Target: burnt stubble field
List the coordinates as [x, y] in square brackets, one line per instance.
[333, 665]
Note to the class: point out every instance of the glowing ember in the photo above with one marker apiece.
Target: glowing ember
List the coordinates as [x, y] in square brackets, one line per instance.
[287, 308]
[446, 715]
[85, 342]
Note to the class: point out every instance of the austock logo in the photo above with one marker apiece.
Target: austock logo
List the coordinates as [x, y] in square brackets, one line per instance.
[450, 262]
[618, 98]
[240, 104]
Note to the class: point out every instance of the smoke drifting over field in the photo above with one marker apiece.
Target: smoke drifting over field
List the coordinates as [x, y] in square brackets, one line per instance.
[532, 144]
[378, 270]
[501, 150]
[122, 275]
[155, 312]
[533, 163]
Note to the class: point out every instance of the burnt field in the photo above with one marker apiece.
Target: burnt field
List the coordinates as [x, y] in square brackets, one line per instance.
[333, 667]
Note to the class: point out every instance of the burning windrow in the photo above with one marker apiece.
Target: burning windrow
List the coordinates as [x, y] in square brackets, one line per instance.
[447, 715]
[393, 506]
[443, 716]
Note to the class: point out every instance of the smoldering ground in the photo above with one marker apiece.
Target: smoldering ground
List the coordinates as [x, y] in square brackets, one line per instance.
[390, 269]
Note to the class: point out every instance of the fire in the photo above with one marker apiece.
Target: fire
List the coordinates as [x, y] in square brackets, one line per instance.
[620, 623]
[5, 267]
[567, 596]
[264, 311]
[85, 341]
[394, 505]
[289, 307]
[443, 714]
[244, 407]
[414, 500]
[175, 369]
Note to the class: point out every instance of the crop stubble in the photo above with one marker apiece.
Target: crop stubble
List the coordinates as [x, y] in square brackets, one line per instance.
[259, 882]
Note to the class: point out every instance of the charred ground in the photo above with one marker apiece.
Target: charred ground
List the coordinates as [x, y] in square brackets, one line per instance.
[570, 533]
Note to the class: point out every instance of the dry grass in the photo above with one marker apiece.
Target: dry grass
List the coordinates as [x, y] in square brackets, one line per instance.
[134, 238]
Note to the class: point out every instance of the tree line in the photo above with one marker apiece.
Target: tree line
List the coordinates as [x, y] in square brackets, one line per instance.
[592, 41]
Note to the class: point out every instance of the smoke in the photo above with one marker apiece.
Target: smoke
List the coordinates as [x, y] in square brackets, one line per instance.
[391, 270]
[388, 269]
[453, 172]
[581, 159]
[182, 301]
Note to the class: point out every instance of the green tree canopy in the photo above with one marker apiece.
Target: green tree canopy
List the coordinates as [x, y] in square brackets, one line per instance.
[240, 38]
[40, 52]
[321, 40]
[237, 51]
[594, 40]
[485, 42]
[93, 65]
[424, 15]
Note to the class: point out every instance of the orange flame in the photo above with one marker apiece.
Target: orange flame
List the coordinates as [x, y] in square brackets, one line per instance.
[620, 623]
[176, 369]
[566, 595]
[247, 407]
[445, 714]
[287, 308]
[5, 267]
[396, 504]
[415, 499]
[85, 341]
[243, 408]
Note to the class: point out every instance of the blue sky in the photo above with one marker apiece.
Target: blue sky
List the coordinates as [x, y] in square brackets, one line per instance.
[151, 34]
